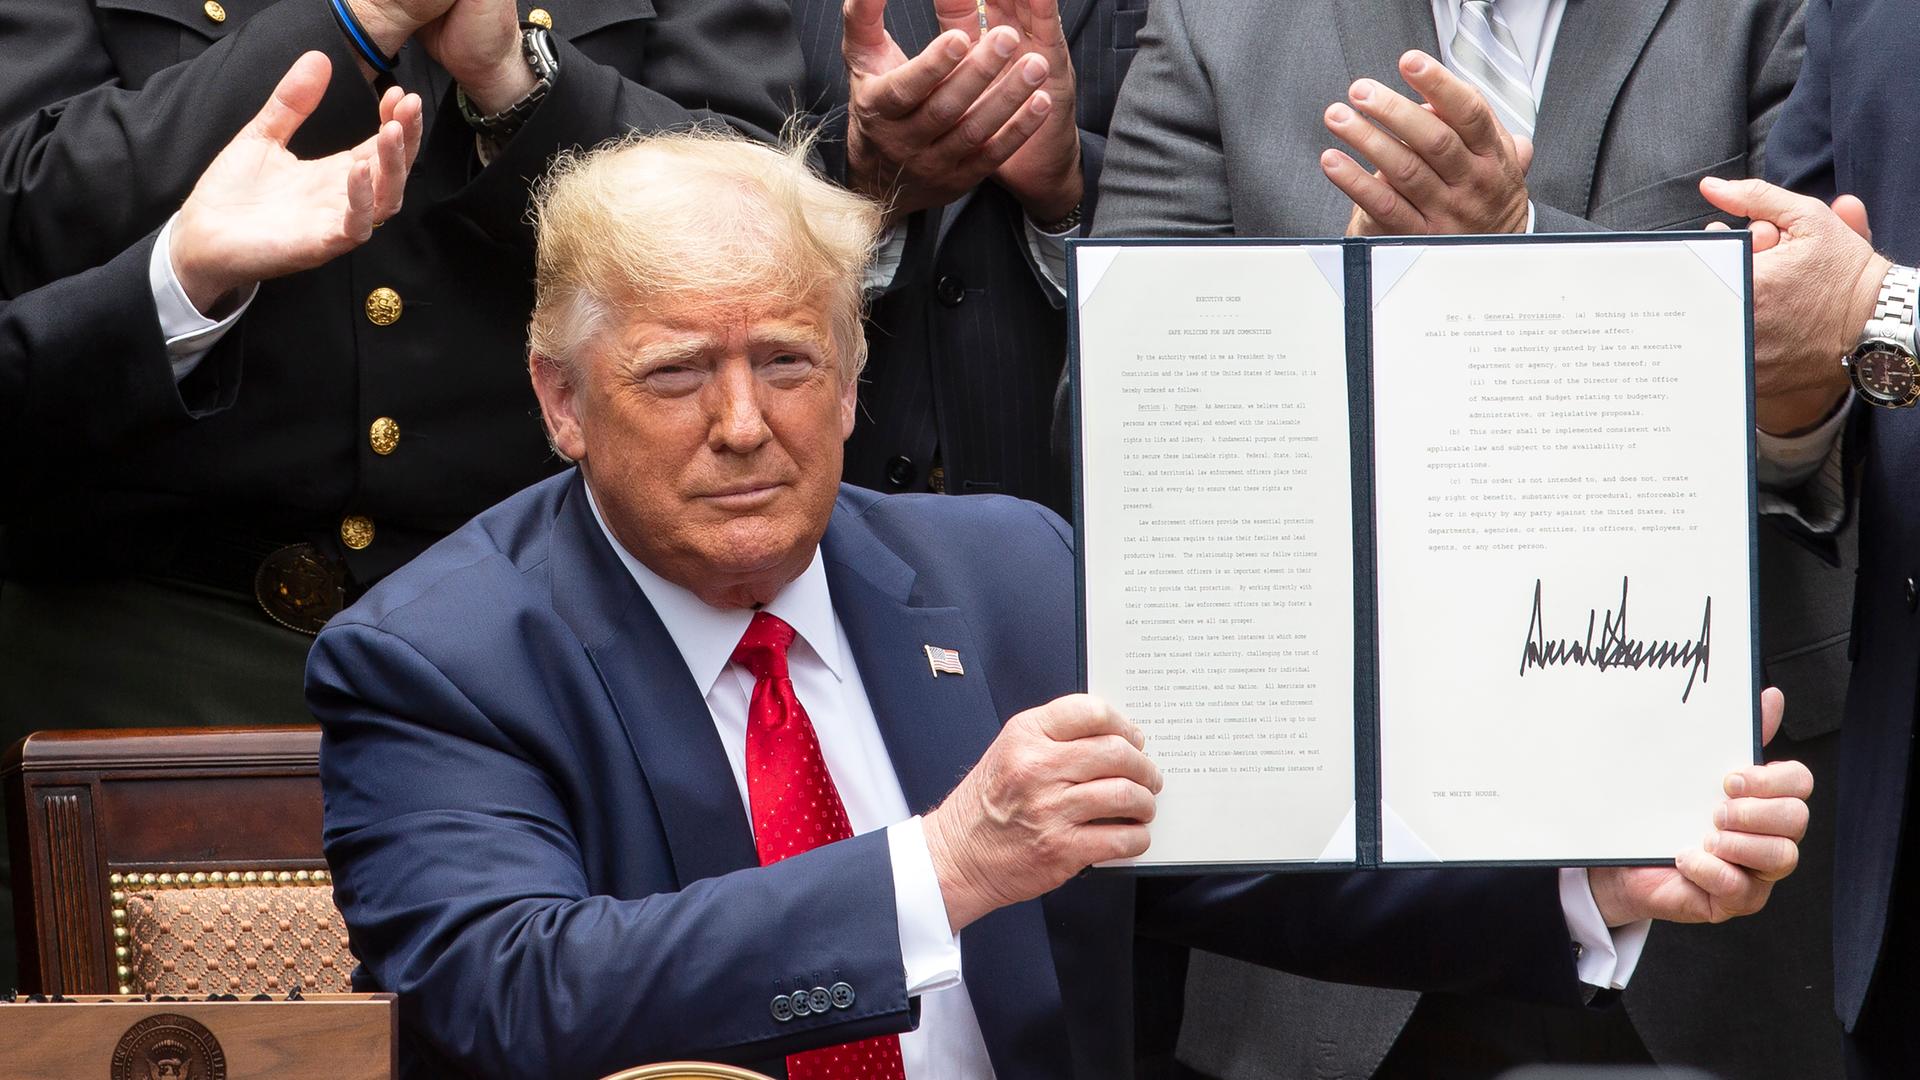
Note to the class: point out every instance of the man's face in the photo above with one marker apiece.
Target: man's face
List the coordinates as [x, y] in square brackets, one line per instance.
[712, 437]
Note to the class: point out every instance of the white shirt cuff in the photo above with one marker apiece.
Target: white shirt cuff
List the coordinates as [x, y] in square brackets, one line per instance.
[1048, 253]
[929, 949]
[1603, 957]
[1802, 476]
[886, 259]
[189, 334]
[1787, 461]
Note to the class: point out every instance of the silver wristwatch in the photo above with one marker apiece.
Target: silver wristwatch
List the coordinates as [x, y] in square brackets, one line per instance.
[1883, 367]
[536, 47]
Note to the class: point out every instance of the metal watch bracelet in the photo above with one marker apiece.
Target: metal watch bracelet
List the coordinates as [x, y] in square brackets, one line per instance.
[1894, 311]
[537, 49]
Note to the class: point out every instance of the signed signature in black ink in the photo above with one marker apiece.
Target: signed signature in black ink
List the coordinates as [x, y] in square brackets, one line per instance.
[1614, 649]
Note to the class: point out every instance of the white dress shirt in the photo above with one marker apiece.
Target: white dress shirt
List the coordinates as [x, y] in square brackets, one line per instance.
[948, 1044]
[189, 335]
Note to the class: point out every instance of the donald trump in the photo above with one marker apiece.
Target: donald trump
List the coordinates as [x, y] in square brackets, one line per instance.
[649, 761]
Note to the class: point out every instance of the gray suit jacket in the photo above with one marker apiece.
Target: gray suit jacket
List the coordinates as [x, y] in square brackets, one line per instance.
[1218, 132]
[1218, 129]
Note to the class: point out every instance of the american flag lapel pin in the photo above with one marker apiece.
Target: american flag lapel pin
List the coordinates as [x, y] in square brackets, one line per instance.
[943, 661]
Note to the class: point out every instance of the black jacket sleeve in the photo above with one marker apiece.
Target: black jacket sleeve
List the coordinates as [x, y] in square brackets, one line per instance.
[66, 202]
[83, 368]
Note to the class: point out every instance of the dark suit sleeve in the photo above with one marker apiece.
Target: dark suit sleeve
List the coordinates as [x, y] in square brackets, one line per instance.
[66, 202]
[1163, 171]
[1487, 931]
[462, 884]
[1775, 65]
[1801, 154]
[83, 368]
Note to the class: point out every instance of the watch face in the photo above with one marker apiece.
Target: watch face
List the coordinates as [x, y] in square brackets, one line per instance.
[1886, 376]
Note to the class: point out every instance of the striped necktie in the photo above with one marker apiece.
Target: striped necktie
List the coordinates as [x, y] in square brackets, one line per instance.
[1485, 55]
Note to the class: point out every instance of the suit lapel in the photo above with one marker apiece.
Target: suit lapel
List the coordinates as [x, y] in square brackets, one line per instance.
[1372, 37]
[1599, 43]
[935, 729]
[658, 704]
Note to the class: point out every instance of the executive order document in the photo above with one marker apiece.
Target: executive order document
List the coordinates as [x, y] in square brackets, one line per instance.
[1407, 553]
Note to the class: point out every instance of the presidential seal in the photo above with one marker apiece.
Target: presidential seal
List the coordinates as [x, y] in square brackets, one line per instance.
[168, 1047]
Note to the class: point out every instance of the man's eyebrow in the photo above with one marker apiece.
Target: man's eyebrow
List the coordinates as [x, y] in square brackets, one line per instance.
[668, 352]
[791, 337]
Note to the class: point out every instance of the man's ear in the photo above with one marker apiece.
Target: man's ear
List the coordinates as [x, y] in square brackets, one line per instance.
[849, 405]
[554, 386]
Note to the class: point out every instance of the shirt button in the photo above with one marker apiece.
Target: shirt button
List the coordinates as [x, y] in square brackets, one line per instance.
[383, 306]
[540, 18]
[950, 290]
[356, 531]
[384, 436]
[900, 471]
[214, 11]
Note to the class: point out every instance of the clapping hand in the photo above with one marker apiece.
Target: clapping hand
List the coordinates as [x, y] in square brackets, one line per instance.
[973, 105]
[1446, 167]
[1753, 844]
[259, 212]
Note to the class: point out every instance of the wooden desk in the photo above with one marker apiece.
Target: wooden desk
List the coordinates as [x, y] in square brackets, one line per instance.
[324, 1037]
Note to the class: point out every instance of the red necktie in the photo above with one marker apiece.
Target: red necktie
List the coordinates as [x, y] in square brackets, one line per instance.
[796, 808]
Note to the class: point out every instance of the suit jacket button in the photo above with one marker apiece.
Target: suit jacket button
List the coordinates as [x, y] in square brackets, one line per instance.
[782, 1008]
[384, 435]
[802, 1005]
[900, 471]
[1913, 596]
[842, 995]
[383, 306]
[819, 1000]
[356, 531]
[214, 11]
[950, 290]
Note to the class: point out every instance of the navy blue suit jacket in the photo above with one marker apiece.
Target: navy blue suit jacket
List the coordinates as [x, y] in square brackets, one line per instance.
[537, 841]
[1847, 128]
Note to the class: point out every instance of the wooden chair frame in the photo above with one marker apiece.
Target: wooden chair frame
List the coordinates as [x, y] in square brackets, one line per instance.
[88, 811]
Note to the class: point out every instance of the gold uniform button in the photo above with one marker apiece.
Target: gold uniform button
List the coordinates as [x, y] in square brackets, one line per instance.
[214, 11]
[540, 18]
[383, 306]
[937, 480]
[384, 436]
[356, 531]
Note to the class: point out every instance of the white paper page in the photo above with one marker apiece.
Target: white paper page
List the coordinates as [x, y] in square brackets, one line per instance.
[1561, 463]
[1218, 538]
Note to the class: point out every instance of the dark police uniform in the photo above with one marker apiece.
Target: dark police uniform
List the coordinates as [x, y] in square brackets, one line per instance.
[383, 398]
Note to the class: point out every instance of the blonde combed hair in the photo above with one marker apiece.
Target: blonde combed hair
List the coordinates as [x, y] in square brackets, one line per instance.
[690, 219]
